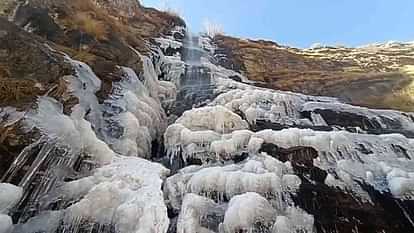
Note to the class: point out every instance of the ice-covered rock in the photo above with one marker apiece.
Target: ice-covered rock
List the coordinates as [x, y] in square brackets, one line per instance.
[193, 134]
[172, 41]
[172, 67]
[123, 193]
[261, 174]
[383, 161]
[9, 116]
[281, 107]
[217, 118]
[168, 43]
[126, 194]
[137, 112]
[73, 131]
[199, 214]
[296, 220]
[288, 109]
[83, 85]
[379, 119]
[248, 212]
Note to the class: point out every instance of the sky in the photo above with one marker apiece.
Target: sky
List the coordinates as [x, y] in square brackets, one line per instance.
[301, 23]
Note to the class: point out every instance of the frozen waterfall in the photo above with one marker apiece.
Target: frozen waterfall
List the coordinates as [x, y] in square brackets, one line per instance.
[188, 146]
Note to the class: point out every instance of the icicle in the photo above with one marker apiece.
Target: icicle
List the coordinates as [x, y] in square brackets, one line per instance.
[41, 157]
[20, 161]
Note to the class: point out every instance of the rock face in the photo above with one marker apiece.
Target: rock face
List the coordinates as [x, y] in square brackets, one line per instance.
[28, 67]
[99, 33]
[114, 119]
[374, 75]
[34, 44]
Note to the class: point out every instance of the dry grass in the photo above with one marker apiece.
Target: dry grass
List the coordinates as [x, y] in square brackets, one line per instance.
[401, 100]
[89, 18]
[96, 21]
[6, 6]
[90, 25]
[13, 91]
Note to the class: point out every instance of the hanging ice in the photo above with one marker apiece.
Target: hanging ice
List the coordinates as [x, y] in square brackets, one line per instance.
[126, 193]
[138, 114]
[261, 174]
[73, 131]
[83, 85]
[384, 161]
[248, 212]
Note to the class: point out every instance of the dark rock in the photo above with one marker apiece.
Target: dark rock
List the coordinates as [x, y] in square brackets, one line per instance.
[262, 125]
[349, 120]
[301, 159]
[335, 210]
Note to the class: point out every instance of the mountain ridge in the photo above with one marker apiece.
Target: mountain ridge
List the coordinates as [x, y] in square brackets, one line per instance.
[327, 70]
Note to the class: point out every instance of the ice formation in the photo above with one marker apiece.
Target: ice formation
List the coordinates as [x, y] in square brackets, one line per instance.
[385, 118]
[137, 112]
[83, 85]
[383, 161]
[248, 212]
[10, 195]
[281, 107]
[126, 193]
[72, 131]
[9, 116]
[195, 213]
[261, 174]
[196, 130]
[123, 192]
[215, 118]
[169, 41]
[172, 67]
[290, 109]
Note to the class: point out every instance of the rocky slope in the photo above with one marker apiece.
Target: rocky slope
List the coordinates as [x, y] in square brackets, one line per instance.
[373, 76]
[99, 33]
[114, 119]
